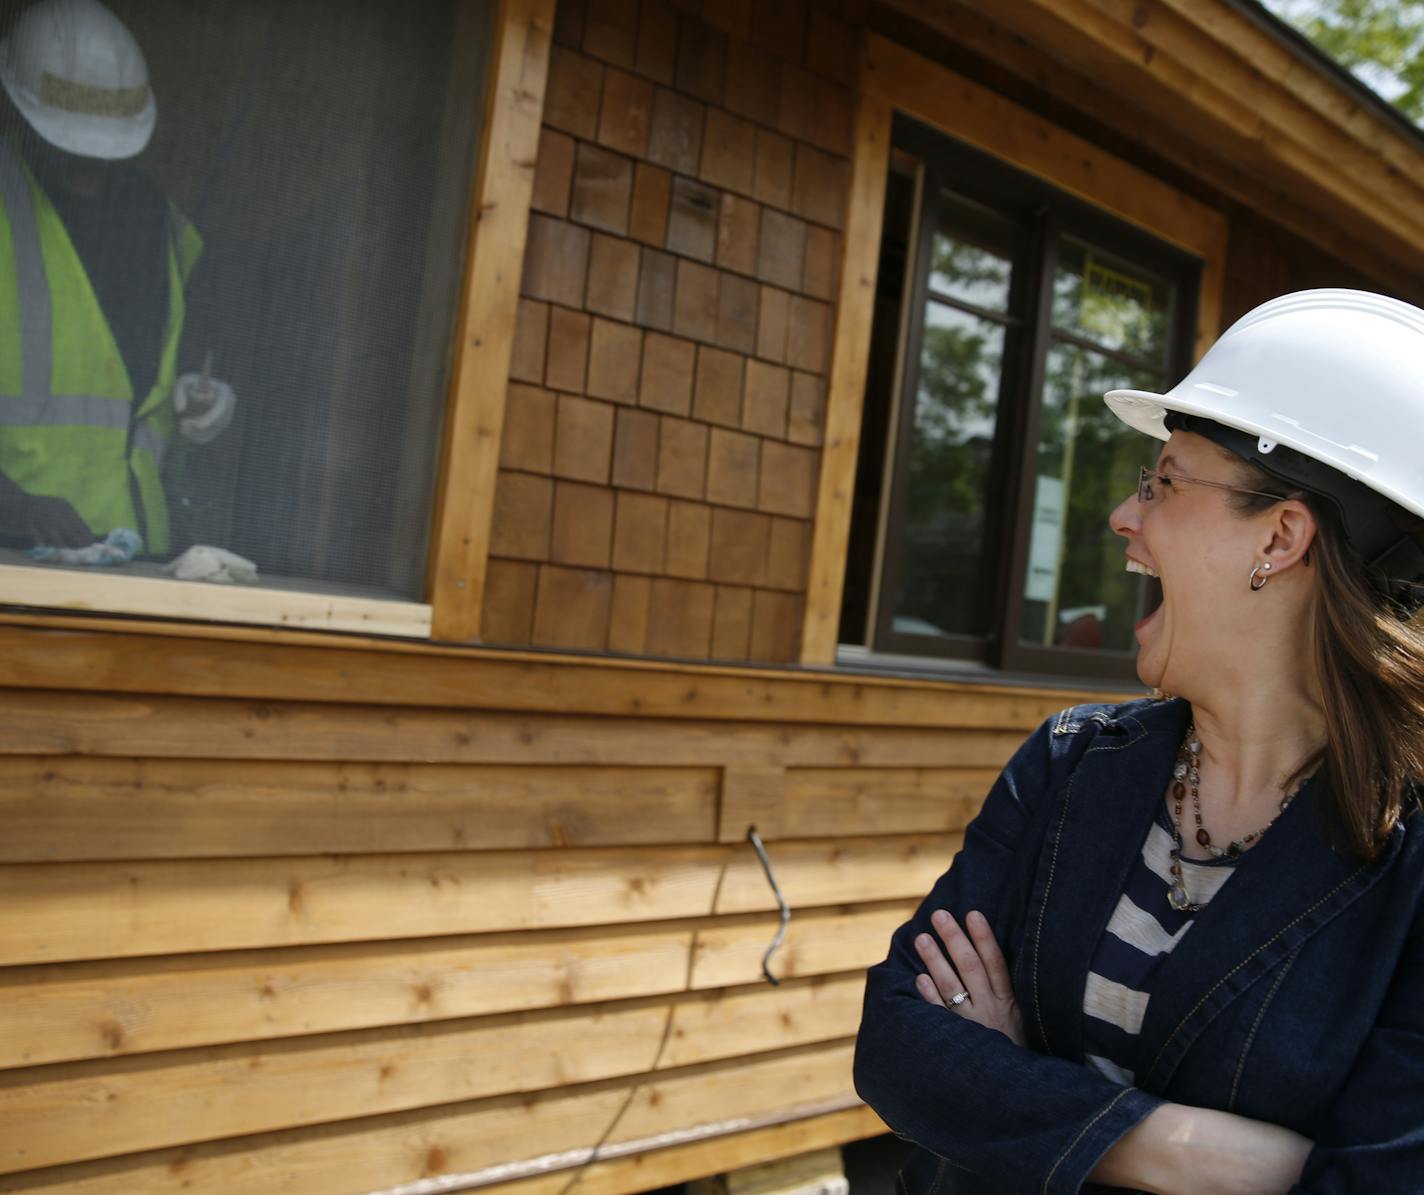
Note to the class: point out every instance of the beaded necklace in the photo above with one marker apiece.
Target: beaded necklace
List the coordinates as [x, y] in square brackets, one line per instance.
[1188, 772]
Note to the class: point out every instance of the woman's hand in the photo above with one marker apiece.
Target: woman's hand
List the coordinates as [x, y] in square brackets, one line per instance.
[978, 970]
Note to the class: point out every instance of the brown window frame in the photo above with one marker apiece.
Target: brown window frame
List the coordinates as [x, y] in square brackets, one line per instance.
[894, 79]
[1038, 217]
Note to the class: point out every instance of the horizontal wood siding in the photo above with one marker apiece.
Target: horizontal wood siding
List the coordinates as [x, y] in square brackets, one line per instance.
[286, 943]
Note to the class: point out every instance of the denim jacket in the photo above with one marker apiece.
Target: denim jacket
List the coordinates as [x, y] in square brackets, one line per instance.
[1296, 998]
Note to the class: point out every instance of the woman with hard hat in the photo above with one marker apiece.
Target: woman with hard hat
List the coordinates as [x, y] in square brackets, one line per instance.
[94, 261]
[1182, 949]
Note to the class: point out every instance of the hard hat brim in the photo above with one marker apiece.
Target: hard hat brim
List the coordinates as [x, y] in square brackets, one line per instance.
[1141, 410]
[109, 137]
[1146, 412]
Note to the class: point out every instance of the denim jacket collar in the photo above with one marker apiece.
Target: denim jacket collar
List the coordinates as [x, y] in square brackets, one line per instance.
[1286, 888]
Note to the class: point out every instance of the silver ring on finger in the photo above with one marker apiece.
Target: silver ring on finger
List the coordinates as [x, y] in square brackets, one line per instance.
[958, 998]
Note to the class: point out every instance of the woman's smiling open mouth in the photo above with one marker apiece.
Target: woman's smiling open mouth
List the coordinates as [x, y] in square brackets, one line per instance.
[1154, 591]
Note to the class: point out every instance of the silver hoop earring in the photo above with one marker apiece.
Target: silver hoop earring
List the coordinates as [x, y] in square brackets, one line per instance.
[1257, 582]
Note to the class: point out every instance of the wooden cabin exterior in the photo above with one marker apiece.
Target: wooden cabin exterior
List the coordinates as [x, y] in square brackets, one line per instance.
[307, 891]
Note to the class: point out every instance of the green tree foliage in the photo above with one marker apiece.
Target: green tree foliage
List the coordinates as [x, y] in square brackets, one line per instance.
[1380, 41]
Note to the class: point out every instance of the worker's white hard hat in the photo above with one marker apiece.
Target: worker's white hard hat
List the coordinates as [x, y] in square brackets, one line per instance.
[77, 75]
[1324, 389]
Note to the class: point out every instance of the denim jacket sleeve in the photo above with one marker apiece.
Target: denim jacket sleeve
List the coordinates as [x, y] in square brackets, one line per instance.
[1022, 1120]
[1373, 1139]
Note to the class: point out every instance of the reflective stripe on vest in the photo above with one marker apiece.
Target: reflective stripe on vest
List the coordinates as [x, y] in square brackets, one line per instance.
[35, 406]
[36, 341]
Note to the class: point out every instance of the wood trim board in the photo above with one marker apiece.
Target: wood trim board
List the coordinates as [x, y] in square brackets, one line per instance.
[714, 1155]
[69, 589]
[71, 1112]
[377, 1152]
[143, 662]
[498, 226]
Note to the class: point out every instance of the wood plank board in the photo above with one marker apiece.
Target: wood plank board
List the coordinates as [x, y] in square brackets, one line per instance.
[49, 723]
[649, 1170]
[54, 912]
[77, 1111]
[65, 808]
[825, 802]
[505, 681]
[375, 1153]
[73, 1011]
[498, 225]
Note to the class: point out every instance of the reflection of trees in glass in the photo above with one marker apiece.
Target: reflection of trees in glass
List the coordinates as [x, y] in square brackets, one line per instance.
[949, 452]
[959, 389]
[1115, 318]
[1106, 456]
[966, 271]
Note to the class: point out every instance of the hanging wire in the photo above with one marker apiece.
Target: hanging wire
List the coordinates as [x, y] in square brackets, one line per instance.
[755, 839]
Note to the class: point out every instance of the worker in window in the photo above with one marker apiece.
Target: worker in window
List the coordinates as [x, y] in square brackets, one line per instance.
[94, 262]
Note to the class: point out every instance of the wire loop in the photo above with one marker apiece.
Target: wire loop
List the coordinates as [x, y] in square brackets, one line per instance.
[755, 839]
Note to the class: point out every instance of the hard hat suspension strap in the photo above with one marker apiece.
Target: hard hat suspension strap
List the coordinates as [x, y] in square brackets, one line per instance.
[1378, 529]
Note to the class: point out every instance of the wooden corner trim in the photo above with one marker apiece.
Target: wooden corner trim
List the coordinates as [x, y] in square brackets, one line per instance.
[498, 227]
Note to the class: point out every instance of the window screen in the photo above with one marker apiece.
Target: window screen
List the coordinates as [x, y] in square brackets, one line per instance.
[235, 236]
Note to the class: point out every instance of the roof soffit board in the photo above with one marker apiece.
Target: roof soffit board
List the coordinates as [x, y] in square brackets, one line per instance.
[1185, 82]
[1225, 77]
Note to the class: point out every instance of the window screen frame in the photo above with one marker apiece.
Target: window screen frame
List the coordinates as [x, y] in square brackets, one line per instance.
[1044, 216]
[470, 408]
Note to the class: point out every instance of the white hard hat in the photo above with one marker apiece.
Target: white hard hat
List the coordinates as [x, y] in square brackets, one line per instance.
[78, 76]
[1324, 389]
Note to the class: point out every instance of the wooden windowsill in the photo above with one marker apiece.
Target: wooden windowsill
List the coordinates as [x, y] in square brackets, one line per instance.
[127, 591]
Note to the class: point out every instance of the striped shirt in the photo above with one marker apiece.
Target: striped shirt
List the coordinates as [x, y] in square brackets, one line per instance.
[1141, 933]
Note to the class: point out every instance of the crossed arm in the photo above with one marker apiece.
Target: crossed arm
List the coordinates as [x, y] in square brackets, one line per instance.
[958, 1080]
[1175, 1148]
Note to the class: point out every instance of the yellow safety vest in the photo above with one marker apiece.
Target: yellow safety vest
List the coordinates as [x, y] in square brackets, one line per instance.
[69, 425]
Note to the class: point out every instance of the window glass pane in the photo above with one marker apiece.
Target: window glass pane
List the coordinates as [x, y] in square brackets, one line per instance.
[252, 230]
[1119, 306]
[972, 254]
[1076, 592]
[943, 530]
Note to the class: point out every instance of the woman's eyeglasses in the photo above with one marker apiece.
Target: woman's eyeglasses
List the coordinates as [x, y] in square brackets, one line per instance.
[1145, 492]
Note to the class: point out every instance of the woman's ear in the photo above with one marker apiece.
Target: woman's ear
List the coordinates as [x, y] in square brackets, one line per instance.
[1290, 532]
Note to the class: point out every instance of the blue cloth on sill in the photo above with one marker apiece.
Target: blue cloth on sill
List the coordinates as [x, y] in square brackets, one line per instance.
[120, 546]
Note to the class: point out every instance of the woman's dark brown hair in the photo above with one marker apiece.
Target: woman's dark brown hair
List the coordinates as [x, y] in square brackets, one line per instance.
[1369, 657]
